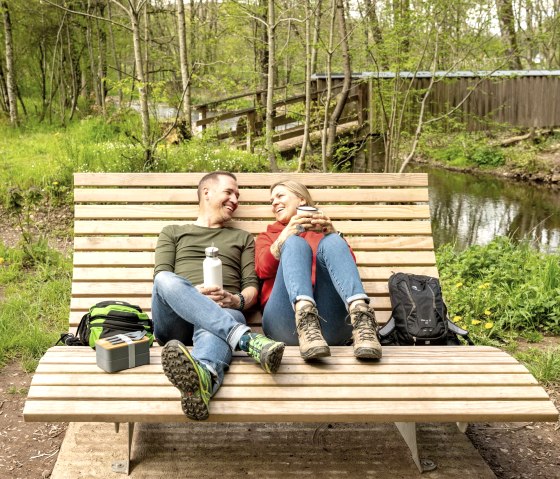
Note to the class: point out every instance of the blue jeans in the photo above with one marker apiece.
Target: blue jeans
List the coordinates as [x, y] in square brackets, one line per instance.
[180, 312]
[337, 284]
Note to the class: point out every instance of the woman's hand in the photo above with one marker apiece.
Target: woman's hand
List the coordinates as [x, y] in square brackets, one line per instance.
[322, 223]
[298, 224]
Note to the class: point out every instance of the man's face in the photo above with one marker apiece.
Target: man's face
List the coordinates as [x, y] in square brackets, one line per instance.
[221, 197]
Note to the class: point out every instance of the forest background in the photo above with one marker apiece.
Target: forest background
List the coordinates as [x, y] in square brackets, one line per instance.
[117, 60]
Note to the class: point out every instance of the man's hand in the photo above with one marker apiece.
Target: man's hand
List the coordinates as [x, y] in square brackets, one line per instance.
[220, 296]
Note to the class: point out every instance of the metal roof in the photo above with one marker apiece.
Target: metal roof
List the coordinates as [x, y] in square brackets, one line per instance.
[456, 74]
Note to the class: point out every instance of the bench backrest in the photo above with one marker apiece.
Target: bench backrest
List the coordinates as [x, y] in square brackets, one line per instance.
[118, 216]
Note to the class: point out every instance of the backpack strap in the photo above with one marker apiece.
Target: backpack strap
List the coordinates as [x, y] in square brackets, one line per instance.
[387, 329]
[451, 326]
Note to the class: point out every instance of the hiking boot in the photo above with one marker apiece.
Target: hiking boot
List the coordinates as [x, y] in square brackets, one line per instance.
[364, 333]
[188, 376]
[267, 352]
[311, 342]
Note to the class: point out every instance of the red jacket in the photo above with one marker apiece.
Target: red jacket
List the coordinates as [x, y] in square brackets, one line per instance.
[266, 265]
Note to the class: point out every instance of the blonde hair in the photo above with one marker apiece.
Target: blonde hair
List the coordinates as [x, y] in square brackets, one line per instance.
[297, 189]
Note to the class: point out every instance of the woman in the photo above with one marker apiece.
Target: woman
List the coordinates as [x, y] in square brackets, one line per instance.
[310, 281]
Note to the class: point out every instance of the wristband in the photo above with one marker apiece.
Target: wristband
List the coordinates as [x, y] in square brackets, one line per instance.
[241, 301]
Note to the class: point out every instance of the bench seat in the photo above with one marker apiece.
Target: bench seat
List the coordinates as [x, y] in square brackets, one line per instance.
[436, 384]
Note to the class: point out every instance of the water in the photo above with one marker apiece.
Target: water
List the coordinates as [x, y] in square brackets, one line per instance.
[470, 209]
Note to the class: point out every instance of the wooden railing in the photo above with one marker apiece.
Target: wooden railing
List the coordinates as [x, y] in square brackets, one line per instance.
[246, 124]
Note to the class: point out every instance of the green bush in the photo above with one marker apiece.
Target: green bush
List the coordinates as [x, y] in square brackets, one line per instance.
[464, 150]
[35, 304]
[501, 290]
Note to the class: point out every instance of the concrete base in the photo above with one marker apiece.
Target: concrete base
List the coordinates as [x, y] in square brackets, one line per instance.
[210, 450]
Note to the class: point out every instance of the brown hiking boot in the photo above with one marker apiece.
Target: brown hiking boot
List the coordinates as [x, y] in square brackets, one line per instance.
[366, 344]
[311, 342]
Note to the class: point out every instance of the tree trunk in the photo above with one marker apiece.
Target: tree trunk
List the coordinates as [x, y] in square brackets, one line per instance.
[10, 68]
[329, 56]
[142, 86]
[184, 64]
[115, 56]
[271, 25]
[307, 114]
[342, 97]
[507, 28]
[92, 65]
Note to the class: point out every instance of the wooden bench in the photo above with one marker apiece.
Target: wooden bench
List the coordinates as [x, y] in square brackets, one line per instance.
[385, 218]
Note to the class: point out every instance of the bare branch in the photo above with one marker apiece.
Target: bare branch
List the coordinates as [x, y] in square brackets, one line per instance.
[84, 14]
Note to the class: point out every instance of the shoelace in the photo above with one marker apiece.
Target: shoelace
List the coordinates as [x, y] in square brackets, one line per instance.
[309, 324]
[366, 325]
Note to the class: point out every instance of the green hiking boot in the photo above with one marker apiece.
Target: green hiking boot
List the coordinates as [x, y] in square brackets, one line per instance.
[265, 351]
[188, 376]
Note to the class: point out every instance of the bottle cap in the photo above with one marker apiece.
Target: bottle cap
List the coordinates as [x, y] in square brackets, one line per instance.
[212, 252]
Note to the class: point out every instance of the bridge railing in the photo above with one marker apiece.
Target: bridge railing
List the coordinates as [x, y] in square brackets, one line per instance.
[246, 124]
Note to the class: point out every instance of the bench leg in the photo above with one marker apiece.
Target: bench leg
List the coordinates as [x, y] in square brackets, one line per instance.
[463, 426]
[408, 432]
[123, 467]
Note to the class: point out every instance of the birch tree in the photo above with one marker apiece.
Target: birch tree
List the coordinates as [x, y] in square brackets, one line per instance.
[10, 67]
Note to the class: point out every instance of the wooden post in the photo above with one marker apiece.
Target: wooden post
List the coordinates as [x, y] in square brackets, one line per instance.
[203, 114]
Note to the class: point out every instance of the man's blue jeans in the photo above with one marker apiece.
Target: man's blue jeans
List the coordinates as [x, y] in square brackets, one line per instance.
[337, 284]
[180, 312]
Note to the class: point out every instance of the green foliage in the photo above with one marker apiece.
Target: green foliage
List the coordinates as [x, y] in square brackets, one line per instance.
[24, 206]
[465, 150]
[35, 304]
[501, 290]
[544, 365]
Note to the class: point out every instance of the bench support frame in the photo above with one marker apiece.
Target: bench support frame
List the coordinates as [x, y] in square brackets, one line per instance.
[408, 432]
[123, 467]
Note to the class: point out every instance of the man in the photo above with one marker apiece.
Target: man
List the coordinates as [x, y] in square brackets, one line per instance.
[210, 318]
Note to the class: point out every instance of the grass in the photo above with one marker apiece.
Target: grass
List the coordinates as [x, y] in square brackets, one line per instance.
[502, 290]
[35, 305]
[40, 155]
[544, 365]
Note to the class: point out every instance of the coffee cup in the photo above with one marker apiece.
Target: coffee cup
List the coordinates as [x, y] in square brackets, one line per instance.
[306, 210]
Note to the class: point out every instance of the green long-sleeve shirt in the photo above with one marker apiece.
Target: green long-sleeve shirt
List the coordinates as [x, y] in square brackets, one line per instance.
[180, 249]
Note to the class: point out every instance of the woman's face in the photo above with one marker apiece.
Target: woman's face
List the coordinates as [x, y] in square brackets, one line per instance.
[284, 203]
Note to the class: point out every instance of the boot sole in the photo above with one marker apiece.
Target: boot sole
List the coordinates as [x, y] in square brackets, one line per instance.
[179, 369]
[317, 352]
[271, 357]
[368, 353]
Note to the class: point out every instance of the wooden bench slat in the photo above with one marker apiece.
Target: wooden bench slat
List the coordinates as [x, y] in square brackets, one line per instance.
[378, 273]
[358, 243]
[84, 303]
[342, 360]
[109, 258]
[154, 227]
[190, 212]
[189, 195]
[253, 179]
[117, 392]
[88, 289]
[424, 380]
[254, 321]
[319, 368]
[299, 411]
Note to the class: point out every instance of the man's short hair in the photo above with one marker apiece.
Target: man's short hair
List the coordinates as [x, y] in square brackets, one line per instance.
[210, 177]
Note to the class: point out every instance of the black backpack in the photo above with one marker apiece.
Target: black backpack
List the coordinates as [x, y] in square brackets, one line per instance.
[419, 314]
[108, 318]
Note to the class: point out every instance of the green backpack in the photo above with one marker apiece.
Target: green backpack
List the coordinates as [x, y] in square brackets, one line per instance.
[108, 318]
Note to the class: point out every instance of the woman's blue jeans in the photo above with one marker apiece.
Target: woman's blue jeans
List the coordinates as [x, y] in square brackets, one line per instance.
[180, 312]
[337, 284]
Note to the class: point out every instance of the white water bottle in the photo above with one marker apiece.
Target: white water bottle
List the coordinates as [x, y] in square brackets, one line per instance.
[212, 268]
